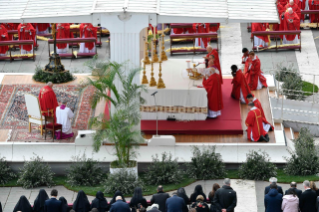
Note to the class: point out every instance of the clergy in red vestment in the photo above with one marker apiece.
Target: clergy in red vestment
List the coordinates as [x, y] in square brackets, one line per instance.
[283, 2]
[214, 53]
[26, 32]
[250, 97]
[214, 28]
[245, 55]
[294, 7]
[291, 22]
[260, 41]
[240, 87]
[253, 74]
[62, 32]
[3, 37]
[212, 84]
[10, 26]
[201, 28]
[42, 28]
[313, 5]
[87, 30]
[48, 99]
[281, 12]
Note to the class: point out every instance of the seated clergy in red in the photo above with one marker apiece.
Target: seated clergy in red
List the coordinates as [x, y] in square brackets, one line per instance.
[240, 87]
[294, 7]
[291, 22]
[26, 32]
[3, 37]
[214, 53]
[260, 41]
[10, 26]
[42, 28]
[245, 55]
[87, 30]
[253, 74]
[313, 5]
[62, 32]
[212, 84]
[48, 99]
[281, 12]
[257, 126]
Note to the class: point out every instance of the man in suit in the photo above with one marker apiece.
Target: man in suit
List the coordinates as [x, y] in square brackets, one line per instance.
[175, 203]
[53, 205]
[273, 180]
[160, 198]
[293, 186]
[307, 201]
[120, 206]
[225, 198]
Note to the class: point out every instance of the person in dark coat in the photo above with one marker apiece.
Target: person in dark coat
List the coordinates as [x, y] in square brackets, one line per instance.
[200, 205]
[175, 203]
[100, 202]
[64, 206]
[39, 202]
[120, 206]
[160, 198]
[293, 186]
[225, 197]
[137, 200]
[117, 193]
[23, 205]
[308, 199]
[273, 180]
[314, 187]
[182, 193]
[0, 207]
[197, 191]
[81, 203]
[211, 197]
[53, 205]
[273, 199]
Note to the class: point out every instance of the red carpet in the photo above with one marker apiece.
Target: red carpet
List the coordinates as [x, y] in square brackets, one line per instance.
[229, 123]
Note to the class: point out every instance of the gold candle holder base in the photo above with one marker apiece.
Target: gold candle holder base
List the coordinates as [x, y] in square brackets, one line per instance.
[152, 80]
[144, 79]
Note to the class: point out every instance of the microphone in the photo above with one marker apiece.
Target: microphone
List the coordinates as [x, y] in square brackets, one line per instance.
[153, 94]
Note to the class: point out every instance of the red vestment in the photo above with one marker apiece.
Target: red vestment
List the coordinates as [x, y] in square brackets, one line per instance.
[258, 105]
[201, 28]
[26, 33]
[216, 63]
[259, 27]
[214, 28]
[178, 30]
[291, 26]
[42, 27]
[240, 84]
[48, 100]
[313, 5]
[281, 12]
[254, 123]
[283, 2]
[214, 92]
[89, 31]
[244, 58]
[3, 37]
[253, 73]
[296, 9]
[63, 31]
[10, 26]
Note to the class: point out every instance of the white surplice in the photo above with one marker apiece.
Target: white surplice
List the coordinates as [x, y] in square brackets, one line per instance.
[64, 117]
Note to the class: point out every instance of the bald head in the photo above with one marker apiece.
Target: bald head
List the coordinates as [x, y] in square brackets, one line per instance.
[290, 10]
[118, 198]
[50, 84]
[291, 2]
[209, 48]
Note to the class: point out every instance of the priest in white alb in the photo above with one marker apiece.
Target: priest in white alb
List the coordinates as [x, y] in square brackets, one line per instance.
[64, 115]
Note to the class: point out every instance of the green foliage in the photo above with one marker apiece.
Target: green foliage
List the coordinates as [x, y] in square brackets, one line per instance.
[304, 160]
[35, 173]
[308, 88]
[257, 166]
[124, 181]
[84, 172]
[6, 173]
[164, 170]
[283, 72]
[206, 164]
[41, 76]
[292, 87]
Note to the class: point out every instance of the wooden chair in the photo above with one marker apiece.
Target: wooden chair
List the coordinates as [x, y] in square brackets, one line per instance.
[52, 126]
[34, 111]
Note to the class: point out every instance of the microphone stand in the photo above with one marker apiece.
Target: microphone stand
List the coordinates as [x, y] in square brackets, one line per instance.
[154, 95]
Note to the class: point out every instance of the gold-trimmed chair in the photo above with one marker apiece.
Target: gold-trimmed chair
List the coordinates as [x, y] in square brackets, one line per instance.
[34, 111]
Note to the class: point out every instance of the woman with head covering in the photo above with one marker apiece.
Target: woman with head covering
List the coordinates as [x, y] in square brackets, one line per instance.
[81, 203]
[40, 201]
[65, 207]
[182, 193]
[200, 205]
[100, 202]
[211, 197]
[197, 191]
[117, 193]
[23, 205]
[138, 200]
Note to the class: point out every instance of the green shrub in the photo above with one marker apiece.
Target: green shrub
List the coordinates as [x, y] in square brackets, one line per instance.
[35, 173]
[84, 172]
[283, 72]
[41, 76]
[308, 88]
[163, 171]
[6, 173]
[292, 87]
[124, 181]
[257, 166]
[206, 164]
[304, 160]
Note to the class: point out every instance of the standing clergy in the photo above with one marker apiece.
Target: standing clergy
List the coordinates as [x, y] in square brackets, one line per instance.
[291, 22]
[313, 5]
[253, 73]
[201, 28]
[62, 32]
[245, 55]
[64, 115]
[42, 28]
[87, 30]
[212, 84]
[3, 37]
[281, 12]
[240, 87]
[257, 126]
[294, 7]
[48, 100]
[26, 32]
[260, 41]
[214, 53]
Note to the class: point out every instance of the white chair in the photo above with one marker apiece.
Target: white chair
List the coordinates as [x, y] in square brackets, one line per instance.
[34, 111]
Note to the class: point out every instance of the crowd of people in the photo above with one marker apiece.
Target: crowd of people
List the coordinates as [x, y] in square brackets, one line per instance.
[221, 199]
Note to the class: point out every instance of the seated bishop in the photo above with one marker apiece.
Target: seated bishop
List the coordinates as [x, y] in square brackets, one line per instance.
[64, 115]
[26, 32]
[62, 32]
[3, 37]
[42, 28]
[260, 41]
[87, 30]
[48, 100]
[212, 84]
[240, 87]
[291, 22]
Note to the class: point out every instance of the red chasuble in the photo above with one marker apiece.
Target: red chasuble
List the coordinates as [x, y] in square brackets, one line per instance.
[63, 31]
[178, 30]
[291, 26]
[47, 99]
[200, 28]
[3, 37]
[253, 72]
[214, 92]
[283, 2]
[239, 83]
[89, 31]
[214, 28]
[254, 123]
[295, 8]
[10, 26]
[259, 27]
[313, 5]
[26, 33]
[258, 105]
[42, 27]
[216, 63]
[281, 11]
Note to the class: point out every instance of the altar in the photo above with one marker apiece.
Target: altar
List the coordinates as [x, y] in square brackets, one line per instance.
[181, 99]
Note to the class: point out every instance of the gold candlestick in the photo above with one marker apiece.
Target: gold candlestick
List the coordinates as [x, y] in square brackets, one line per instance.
[146, 58]
[154, 56]
[144, 80]
[163, 54]
[160, 83]
[152, 82]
